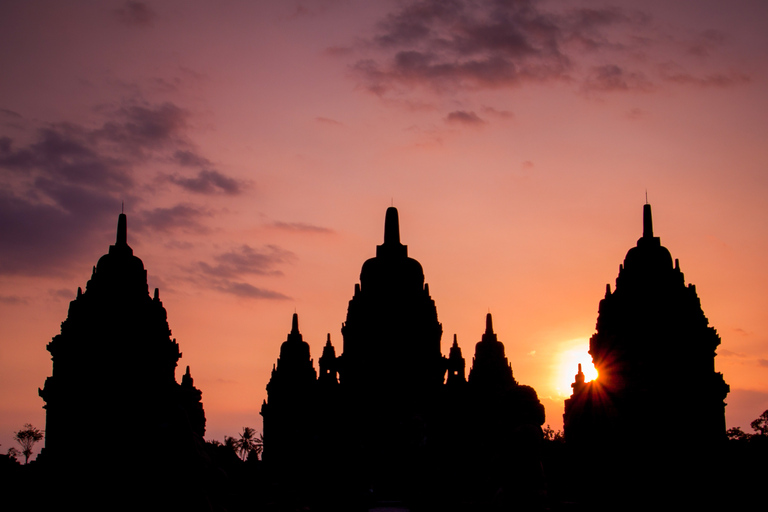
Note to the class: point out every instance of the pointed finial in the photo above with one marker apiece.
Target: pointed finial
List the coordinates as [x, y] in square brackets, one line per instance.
[295, 324]
[157, 296]
[647, 221]
[646, 196]
[392, 227]
[328, 340]
[122, 230]
[122, 206]
[455, 341]
[488, 324]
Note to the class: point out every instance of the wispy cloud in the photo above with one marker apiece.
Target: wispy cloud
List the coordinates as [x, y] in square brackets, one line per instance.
[181, 216]
[462, 117]
[245, 260]
[230, 271]
[300, 227]
[248, 291]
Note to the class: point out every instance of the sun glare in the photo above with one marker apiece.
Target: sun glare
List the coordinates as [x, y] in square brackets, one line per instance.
[574, 352]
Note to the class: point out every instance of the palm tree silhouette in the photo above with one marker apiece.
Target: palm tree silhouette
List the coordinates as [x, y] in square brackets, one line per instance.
[249, 442]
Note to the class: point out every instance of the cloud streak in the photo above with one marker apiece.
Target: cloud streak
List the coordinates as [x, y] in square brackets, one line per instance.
[67, 179]
[447, 46]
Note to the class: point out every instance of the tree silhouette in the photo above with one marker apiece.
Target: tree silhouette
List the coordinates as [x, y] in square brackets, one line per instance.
[551, 434]
[760, 425]
[248, 442]
[27, 438]
[258, 445]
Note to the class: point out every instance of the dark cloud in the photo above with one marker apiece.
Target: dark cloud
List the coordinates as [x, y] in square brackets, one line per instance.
[300, 227]
[10, 113]
[43, 239]
[188, 158]
[65, 185]
[139, 127]
[231, 266]
[103, 158]
[182, 216]
[246, 260]
[248, 291]
[614, 78]
[729, 353]
[62, 152]
[13, 299]
[63, 293]
[706, 43]
[463, 44]
[722, 80]
[449, 45]
[135, 13]
[208, 182]
[462, 117]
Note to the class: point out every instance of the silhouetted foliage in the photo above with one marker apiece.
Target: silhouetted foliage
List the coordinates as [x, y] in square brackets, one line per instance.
[736, 434]
[248, 442]
[12, 453]
[760, 425]
[553, 435]
[27, 438]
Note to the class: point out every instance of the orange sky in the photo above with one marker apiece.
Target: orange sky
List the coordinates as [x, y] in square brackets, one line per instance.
[257, 147]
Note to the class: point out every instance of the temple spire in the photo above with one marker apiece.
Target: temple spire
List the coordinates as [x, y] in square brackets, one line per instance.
[392, 227]
[122, 230]
[647, 221]
[488, 324]
[295, 324]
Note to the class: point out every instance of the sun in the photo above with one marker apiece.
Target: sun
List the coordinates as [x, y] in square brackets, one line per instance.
[573, 353]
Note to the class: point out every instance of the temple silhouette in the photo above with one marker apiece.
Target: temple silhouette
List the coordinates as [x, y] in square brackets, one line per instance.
[654, 352]
[114, 368]
[390, 418]
[384, 407]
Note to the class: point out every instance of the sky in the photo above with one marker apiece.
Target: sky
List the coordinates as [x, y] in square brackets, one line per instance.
[256, 146]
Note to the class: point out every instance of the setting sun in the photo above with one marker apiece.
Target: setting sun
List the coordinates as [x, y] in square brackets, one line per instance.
[574, 352]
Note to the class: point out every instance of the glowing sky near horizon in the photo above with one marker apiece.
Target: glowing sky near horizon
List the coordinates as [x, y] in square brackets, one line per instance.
[258, 144]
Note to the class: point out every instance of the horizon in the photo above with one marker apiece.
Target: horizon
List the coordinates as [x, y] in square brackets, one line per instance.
[257, 146]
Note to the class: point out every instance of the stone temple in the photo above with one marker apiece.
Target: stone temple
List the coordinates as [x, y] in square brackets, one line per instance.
[116, 418]
[657, 405]
[386, 413]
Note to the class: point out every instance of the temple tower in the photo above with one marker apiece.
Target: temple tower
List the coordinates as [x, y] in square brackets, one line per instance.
[456, 366]
[490, 367]
[289, 410]
[392, 335]
[655, 356]
[114, 368]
